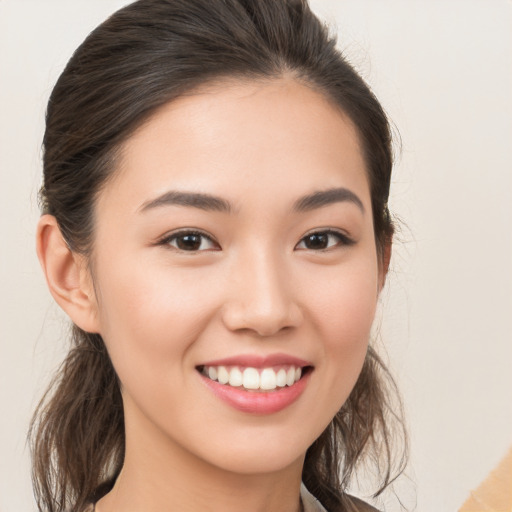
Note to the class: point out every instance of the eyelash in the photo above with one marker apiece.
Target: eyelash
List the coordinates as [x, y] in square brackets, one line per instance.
[167, 240]
[342, 240]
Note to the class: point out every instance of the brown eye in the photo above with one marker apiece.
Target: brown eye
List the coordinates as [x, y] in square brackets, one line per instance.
[316, 241]
[190, 241]
[322, 240]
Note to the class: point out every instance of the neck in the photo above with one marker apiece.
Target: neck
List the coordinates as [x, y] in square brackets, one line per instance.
[160, 476]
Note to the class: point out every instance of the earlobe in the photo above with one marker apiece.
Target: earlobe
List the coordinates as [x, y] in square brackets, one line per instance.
[67, 275]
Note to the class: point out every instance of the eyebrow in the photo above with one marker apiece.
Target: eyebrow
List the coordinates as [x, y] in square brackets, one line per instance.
[192, 199]
[210, 202]
[327, 197]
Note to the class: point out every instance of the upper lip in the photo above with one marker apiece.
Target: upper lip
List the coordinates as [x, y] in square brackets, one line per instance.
[259, 361]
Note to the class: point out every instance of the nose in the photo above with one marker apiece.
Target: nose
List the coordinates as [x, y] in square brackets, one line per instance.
[261, 297]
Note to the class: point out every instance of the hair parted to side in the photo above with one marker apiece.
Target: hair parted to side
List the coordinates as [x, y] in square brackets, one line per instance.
[145, 55]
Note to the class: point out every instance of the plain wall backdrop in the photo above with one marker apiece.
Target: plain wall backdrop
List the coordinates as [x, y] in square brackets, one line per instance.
[443, 71]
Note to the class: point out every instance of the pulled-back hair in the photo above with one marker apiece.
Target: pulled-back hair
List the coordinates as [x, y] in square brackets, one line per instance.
[144, 56]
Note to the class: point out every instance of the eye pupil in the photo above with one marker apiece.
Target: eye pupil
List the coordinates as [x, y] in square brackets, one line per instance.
[189, 242]
[317, 241]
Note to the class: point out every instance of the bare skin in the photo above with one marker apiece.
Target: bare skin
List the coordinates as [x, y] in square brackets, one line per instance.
[267, 269]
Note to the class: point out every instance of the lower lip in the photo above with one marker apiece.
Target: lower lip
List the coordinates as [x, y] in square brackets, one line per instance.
[258, 402]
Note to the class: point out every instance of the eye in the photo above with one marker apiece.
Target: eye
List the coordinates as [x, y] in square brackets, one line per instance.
[323, 240]
[190, 241]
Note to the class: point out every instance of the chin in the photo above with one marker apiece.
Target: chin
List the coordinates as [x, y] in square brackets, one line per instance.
[260, 462]
[260, 453]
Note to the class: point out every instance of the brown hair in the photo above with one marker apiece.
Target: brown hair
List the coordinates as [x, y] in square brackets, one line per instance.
[142, 57]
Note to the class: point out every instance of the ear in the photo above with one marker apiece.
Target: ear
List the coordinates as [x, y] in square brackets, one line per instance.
[385, 258]
[67, 275]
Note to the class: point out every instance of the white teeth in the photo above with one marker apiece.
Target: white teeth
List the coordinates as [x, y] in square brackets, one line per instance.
[266, 379]
[222, 375]
[290, 376]
[235, 377]
[251, 378]
[281, 378]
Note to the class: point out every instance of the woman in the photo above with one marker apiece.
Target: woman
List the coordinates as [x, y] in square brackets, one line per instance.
[215, 225]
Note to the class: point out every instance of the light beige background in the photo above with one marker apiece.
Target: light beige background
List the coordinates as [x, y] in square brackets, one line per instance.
[443, 70]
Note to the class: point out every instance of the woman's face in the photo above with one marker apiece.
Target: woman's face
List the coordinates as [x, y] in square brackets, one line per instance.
[235, 241]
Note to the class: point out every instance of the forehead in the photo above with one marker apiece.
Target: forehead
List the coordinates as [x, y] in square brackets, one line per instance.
[234, 138]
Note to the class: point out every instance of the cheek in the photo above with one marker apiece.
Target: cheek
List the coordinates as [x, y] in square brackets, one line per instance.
[345, 304]
[148, 317]
[343, 314]
[351, 316]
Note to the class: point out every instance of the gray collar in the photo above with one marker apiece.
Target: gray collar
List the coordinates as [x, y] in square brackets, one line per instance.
[309, 502]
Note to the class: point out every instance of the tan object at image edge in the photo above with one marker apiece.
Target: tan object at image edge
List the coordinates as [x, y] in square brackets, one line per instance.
[495, 493]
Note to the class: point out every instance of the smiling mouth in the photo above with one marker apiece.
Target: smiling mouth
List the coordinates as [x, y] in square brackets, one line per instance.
[255, 379]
